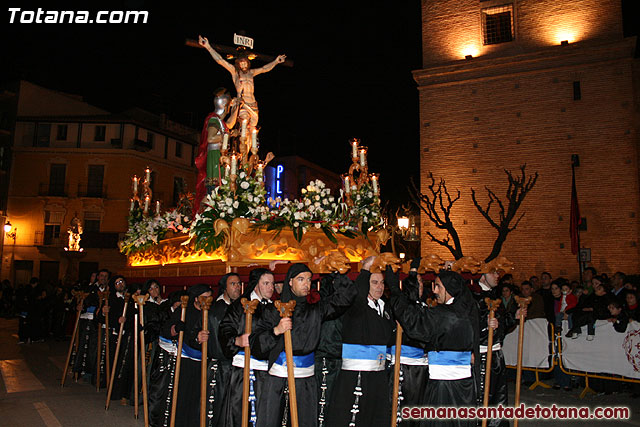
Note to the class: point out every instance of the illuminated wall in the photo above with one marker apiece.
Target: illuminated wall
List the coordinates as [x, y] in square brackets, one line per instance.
[453, 29]
[534, 101]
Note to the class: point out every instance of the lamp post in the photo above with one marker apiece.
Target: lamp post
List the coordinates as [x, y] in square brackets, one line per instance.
[407, 229]
[12, 235]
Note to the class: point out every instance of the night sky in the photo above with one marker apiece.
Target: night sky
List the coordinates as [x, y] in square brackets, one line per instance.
[351, 78]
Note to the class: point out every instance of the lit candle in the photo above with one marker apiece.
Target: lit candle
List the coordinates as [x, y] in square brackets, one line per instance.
[374, 183]
[234, 164]
[254, 139]
[243, 131]
[147, 174]
[347, 187]
[354, 147]
[363, 157]
[147, 200]
[225, 142]
[259, 169]
[227, 168]
[132, 205]
[135, 183]
[157, 207]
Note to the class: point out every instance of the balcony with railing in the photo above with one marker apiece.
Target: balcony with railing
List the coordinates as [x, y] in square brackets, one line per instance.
[45, 239]
[92, 190]
[54, 190]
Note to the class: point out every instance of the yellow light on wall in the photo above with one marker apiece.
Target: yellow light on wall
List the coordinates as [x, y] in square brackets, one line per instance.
[564, 36]
[470, 50]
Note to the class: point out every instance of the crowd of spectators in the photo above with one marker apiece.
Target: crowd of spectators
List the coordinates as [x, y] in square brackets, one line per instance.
[42, 309]
[599, 297]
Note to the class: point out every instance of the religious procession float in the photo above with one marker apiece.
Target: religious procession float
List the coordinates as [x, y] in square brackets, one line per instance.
[229, 222]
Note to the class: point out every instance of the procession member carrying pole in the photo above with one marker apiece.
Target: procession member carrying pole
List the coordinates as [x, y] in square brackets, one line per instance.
[286, 310]
[522, 303]
[249, 308]
[136, 351]
[140, 300]
[396, 374]
[267, 341]
[106, 334]
[205, 304]
[492, 305]
[101, 298]
[184, 301]
[117, 352]
[80, 296]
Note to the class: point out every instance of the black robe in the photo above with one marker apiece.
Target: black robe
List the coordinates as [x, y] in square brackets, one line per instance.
[328, 355]
[412, 390]
[363, 325]
[162, 371]
[444, 328]
[85, 359]
[218, 365]
[188, 405]
[124, 370]
[305, 336]
[498, 393]
[231, 327]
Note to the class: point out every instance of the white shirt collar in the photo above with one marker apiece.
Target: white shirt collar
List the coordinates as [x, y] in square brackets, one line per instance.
[484, 287]
[254, 295]
[379, 308]
[450, 301]
[224, 298]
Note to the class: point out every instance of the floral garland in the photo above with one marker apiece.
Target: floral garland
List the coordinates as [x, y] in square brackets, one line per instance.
[317, 208]
[365, 214]
[248, 201]
[145, 231]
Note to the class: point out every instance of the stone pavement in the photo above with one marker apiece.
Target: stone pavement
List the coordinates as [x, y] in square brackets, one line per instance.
[30, 393]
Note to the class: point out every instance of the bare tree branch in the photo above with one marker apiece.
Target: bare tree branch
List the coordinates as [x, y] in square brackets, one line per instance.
[517, 190]
[438, 211]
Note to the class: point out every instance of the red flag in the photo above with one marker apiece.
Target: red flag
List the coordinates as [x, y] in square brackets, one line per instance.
[575, 219]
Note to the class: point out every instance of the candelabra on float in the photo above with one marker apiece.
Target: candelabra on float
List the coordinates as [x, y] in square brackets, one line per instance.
[358, 174]
[147, 193]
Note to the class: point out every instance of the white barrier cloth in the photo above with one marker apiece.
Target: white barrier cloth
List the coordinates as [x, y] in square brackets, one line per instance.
[610, 352]
[535, 345]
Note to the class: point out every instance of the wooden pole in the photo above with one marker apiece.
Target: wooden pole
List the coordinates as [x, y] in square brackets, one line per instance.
[522, 303]
[492, 305]
[74, 338]
[107, 336]
[135, 366]
[249, 309]
[140, 300]
[115, 355]
[184, 301]
[396, 375]
[99, 346]
[205, 304]
[286, 310]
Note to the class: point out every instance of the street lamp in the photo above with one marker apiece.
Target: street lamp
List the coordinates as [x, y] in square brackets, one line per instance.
[10, 234]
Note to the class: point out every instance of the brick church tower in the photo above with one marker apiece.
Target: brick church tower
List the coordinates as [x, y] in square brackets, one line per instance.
[533, 81]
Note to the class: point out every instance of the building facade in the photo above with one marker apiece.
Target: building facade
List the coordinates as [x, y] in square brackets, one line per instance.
[506, 83]
[72, 160]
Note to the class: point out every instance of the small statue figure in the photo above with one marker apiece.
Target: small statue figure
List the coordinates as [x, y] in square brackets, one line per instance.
[242, 76]
[74, 230]
[214, 132]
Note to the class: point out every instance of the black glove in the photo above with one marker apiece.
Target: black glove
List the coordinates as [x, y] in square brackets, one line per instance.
[179, 326]
[415, 263]
[326, 285]
[410, 286]
[392, 279]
